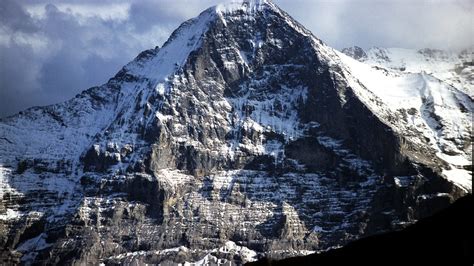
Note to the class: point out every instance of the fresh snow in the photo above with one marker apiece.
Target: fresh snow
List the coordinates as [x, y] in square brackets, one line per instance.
[160, 89]
[9, 215]
[423, 97]
[247, 6]
[245, 253]
[440, 64]
[174, 53]
[229, 247]
[461, 177]
[174, 178]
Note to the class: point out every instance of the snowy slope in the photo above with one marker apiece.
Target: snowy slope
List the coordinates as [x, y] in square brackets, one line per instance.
[432, 108]
[455, 68]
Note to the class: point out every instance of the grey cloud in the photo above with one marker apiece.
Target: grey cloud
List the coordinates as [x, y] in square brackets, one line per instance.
[18, 78]
[15, 18]
[145, 14]
[76, 56]
[387, 23]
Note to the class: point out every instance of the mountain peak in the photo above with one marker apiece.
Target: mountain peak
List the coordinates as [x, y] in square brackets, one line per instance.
[355, 52]
[248, 6]
[189, 35]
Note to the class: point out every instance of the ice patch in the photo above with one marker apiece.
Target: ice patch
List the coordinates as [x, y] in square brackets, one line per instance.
[172, 177]
[10, 215]
[461, 177]
[160, 89]
[244, 58]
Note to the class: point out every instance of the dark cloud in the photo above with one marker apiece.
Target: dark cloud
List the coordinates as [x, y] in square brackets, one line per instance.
[60, 57]
[14, 17]
[49, 52]
[145, 14]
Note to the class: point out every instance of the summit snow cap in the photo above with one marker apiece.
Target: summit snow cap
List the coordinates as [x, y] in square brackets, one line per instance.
[249, 6]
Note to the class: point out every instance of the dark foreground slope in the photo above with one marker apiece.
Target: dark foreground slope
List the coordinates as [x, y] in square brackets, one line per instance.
[443, 237]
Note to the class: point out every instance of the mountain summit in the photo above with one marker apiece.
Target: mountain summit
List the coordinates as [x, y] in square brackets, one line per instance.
[243, 136]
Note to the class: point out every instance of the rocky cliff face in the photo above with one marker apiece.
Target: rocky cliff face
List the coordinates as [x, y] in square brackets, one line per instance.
[244, 135]
[423, 242]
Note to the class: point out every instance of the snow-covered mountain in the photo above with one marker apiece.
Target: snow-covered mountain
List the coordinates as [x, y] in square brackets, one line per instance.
[454, 68]
[432, 90]
[243, 136]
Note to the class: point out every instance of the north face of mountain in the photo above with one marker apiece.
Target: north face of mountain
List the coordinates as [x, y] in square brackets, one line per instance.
[243, 136]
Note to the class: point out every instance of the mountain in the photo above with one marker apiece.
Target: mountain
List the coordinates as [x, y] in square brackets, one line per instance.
[243, 136]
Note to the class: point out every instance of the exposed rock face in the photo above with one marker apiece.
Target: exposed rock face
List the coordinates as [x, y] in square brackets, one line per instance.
[242, 136]
[423, 242]
[355, 52]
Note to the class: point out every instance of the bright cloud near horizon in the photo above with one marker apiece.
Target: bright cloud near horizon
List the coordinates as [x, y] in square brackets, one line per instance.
[52, 50]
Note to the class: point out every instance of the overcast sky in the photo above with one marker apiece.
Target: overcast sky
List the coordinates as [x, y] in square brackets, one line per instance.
[51, 50]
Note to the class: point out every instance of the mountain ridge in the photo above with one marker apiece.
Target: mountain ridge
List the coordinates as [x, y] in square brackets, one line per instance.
[455, 68]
